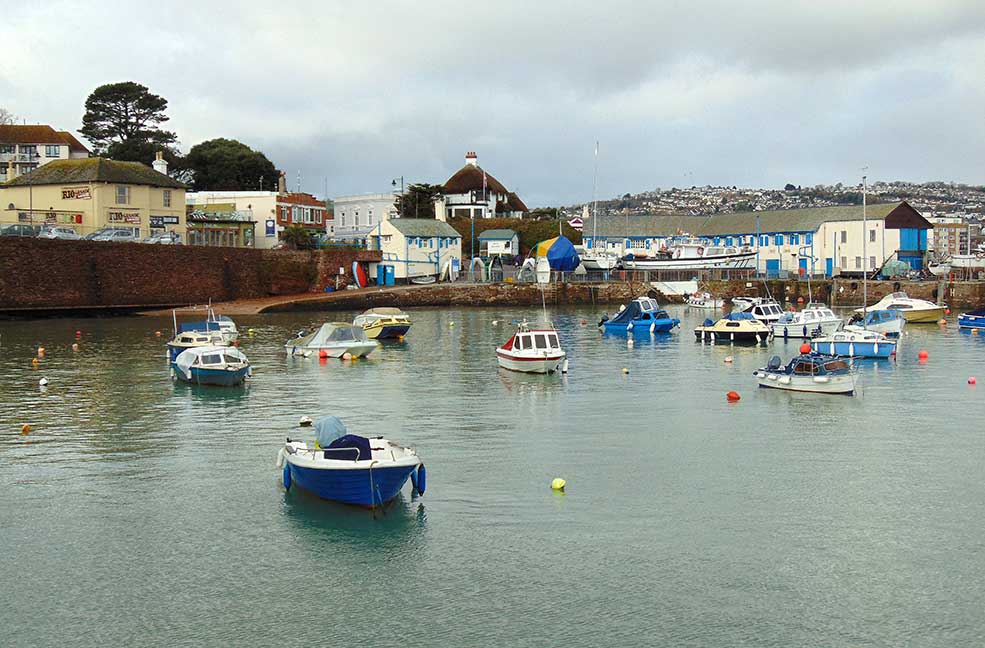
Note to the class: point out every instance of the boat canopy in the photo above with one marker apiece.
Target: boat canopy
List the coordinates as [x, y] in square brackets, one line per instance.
[206, 326]
[560, 253]
[739, 316]
[332, 437]
[628, 314]
[328, 429]
[383, 310]
[336, 332]
[208, 356]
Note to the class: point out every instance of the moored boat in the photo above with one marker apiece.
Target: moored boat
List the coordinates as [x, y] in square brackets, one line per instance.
[704, 300]
[193, 339]
[691, 254]
[383, 323]
[640, 316]
[764, 309]
[212, 365]
[915, 310]
[348, 468]
[816, 319]
[809, 372]
[332, 340]
[972, 319]
[888, 322]
[733, 328]
[212, 323]
[532, 350]
[855, 344]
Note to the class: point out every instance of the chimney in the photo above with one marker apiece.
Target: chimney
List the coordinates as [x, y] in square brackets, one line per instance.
[282, 183]
[160, 164]
[11, 172]
[470, 158]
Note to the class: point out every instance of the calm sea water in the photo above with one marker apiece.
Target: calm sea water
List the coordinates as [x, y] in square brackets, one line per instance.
[140, 512]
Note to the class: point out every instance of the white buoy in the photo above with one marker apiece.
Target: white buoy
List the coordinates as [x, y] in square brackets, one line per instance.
[43, 382]
[564, 366]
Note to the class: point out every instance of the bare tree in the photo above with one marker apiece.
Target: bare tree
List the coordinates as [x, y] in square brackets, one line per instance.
[7, 117]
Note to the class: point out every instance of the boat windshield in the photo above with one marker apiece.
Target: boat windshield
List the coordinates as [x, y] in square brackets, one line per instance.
[836, 365]
[552, 339]
[346, 334]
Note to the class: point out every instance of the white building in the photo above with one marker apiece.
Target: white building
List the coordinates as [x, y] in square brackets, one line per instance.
[414, 247]
[25, 148]
[499, 242]
[356, 216]
[473, 193]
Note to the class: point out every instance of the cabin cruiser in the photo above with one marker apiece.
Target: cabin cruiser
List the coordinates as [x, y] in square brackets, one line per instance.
[212, 365]
[914, 310]
[532, 350]
[764, 309]
[816, 319]
[383, 323]
[704, 300]
[855, 344]
[972, 319]
[809, 372]
[642, 315]
[212, 322]
[734, 327]
[193, 339]
[888, 322]
[332, 340]
[595, 261]
[691, 254]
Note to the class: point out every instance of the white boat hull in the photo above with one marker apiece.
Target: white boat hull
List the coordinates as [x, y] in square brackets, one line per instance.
[842, 384]
[968, 261]
[597, 263]
[355, 349]
[892, 328]
[530, 364]
[729, 262]
[788, 331]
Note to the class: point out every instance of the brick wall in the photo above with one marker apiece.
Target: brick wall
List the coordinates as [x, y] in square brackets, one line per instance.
[53, 274]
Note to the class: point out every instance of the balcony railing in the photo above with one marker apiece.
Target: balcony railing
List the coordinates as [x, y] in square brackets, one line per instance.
[18, 157]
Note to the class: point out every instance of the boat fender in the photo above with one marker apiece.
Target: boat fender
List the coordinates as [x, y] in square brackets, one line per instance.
[419, 479]
[287, 476]
[653, 325]
[280, 458]
[629, 327]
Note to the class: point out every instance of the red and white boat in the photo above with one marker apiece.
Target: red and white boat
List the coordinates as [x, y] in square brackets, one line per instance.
[533, 350]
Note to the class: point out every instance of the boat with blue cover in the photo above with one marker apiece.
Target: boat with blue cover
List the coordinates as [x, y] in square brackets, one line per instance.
[734, 327]
[212, 365]
[855, 344]
[642, 315]
[809, 372]
[972, 319]
[348, 468]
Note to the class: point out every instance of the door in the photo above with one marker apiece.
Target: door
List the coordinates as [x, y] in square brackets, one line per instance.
[829, 264]
[802, 267]
[772, 268]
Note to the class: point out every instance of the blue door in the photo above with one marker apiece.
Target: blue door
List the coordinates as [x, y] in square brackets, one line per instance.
[772, 268]
[802, 264]
[829, 266]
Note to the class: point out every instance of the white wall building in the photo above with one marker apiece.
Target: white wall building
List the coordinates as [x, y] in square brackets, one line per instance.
[356, 215]
[25, 148]
[473, 193]
[415, 247]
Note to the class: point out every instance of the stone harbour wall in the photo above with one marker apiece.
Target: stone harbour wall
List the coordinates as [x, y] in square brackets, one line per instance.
[849, 292]
[51, 275]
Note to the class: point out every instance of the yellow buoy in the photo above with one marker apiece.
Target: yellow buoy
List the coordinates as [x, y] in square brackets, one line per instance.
[451, 323]
[558, 484]
[34, 361]
[25, 429]
[250, 332]
[625, 370]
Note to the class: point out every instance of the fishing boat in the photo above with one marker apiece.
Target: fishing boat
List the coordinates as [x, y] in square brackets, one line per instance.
[809, 372]
[855, 344]
[212, 365]
[332, 340]
[888, 322]
[348, 468]
[692, 254]
[642, 315]
[704, 300]
[764, 309]
[734, 328]
[919, 311]
[383, 323]
[816, 319]
[972, 319]
[532, 350]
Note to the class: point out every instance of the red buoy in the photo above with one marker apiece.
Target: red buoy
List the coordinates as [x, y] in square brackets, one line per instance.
[972, 381]
[805, 348]
[322, 353]
[78, 334]
[732, 396]
[800, 300]
[923, 355]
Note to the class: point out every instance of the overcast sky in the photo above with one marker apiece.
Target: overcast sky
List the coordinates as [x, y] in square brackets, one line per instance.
[677, 92]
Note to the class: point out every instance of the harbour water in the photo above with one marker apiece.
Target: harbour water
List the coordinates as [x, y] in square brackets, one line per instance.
[142, 512]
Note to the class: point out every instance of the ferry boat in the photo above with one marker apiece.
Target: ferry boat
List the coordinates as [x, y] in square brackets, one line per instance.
[809, 372]
[348, 468]
[332, 340]
[972, 319]
[734, 327]
[212, 365]
[855, 344]
[888, 322]
[532, 351]
[816, 319]
[692, 254]
[383, 323]
[914, 310]
[765, 310]
[642, 315]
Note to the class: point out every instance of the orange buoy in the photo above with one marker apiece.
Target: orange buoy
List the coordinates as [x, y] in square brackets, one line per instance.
[943, 322]
[40, 352]
[322, 353]
[25, 429]
[923, 355]
[972, 381]
[34, 362]
[947, 311]
[732, 396]
[157, 334]
[805, 348]
[235, 343]
[800, 300]
[78, 334]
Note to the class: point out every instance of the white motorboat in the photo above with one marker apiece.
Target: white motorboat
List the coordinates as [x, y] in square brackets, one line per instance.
[733, 328]
[532, 350]
[602, 261]
[692, 254]
[974, 259]
[383, 323]
[914, 310]
[332, 340]
[211, 365]
[764, 309]
[855, 344]
[704, 300]
[888, 322]
[816, 319]
[809, 372]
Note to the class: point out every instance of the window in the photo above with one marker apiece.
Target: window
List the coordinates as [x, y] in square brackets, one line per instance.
[6, 149]
[810, 239]
[52, 150]
[872, 236]
[167, 197]
[844, 236]
[552, 338]
[541, 341]
[844, 262]
[122, 195]
[858, 262]
[795, 239]
[764, 241]
[872, 262]
[778, 240]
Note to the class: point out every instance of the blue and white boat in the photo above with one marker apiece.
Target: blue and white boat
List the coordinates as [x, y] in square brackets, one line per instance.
[888, 322]
[348, 468]
[211, 324]
[972, 319]
[212, 365]
[855, 344]
[809, 372]
[642, 315]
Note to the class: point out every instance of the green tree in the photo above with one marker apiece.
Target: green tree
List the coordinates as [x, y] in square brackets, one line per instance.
[418, 201]
[127, 112]
[138, 150]
[228, 165]
[297, 237]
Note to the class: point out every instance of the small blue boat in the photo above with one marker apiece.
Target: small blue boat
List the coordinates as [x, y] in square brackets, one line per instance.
[972, 320]
[640, 316]
[888, 322]
[348, 468]
[855, 344]
[212, 365]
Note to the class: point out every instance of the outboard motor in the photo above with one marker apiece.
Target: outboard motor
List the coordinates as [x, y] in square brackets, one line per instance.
[605, 318]
[774, 363]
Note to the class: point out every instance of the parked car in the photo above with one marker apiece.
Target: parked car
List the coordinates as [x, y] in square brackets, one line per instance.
[164, 238]
[118, 235]
[19, 229]
[55, 232]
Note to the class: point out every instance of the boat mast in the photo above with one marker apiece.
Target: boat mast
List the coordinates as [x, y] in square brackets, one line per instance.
[595, 203]
[865, 259]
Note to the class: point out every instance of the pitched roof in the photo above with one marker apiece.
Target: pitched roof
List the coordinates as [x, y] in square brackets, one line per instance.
[497, 235]
[73, 144]
[61, 172]
[785, 220]
[423, 227]
[17, 134]
[469, 178]
[515, 203]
